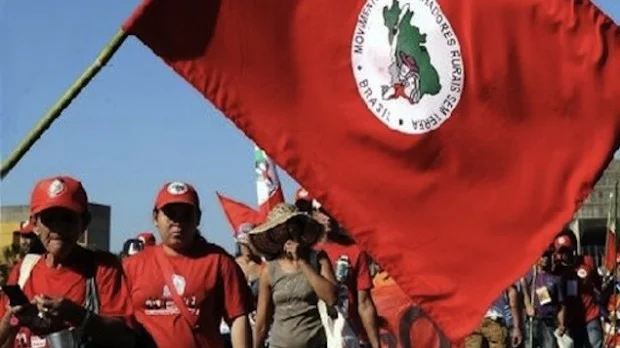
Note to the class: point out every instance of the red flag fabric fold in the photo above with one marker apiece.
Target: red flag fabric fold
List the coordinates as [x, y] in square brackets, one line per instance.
[453, 139]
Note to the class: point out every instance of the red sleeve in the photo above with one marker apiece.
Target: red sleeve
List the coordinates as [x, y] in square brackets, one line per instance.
[112, 287]
[12, 279]
[364, 282]
[127, 270]
[237, 295]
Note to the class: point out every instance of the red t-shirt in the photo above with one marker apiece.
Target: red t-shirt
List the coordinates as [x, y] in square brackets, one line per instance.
[211, 284]
[359, 277]
[580, 286]
[69, 282]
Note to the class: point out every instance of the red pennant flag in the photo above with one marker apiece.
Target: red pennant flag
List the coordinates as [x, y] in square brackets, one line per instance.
[611, 241]
[610, 249]
[453, 139]
[241, 217]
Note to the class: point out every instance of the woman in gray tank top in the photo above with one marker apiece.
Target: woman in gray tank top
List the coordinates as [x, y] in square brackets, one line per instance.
[293, 281]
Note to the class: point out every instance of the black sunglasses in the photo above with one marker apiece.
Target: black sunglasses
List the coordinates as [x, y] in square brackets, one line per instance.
[54, 216]
[179, 212]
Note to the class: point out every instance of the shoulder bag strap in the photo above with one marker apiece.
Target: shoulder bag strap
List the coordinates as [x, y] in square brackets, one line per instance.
[28, 263]
[166, 268]
[92, 295]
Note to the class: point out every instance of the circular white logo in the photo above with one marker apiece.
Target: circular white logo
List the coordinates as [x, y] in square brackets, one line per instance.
[177, 188]
[56, 188]
[582, 273]
[562, 240]
[407, 64]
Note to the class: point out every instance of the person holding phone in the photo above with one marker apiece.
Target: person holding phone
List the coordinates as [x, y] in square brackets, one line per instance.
[293, 281]
[67, 287]
[183, 287]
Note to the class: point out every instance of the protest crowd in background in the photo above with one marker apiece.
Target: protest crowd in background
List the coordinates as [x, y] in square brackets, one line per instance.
[291, 273]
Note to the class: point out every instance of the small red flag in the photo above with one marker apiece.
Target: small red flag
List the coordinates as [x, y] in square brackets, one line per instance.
[610, 250]
[242, 218]
[612, 241]
[453, 139]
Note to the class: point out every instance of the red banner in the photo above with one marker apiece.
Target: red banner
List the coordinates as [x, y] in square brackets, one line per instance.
[403, 324]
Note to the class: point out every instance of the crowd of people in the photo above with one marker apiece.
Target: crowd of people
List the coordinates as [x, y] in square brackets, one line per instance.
[184, 291]
[564, 300]
[288, 274]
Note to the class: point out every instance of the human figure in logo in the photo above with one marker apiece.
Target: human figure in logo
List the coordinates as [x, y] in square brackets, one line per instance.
[411, 73]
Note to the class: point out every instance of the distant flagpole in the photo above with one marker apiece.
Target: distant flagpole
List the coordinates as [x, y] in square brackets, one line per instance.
[55, 111]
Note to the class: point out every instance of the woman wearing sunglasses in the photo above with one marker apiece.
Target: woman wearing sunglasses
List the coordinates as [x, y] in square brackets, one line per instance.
[295, 278]
[75, 291]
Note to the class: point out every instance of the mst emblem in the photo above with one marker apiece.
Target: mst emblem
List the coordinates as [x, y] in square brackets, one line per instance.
[407, 63]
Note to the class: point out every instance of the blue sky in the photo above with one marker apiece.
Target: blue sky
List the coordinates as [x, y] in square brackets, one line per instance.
[134, 127]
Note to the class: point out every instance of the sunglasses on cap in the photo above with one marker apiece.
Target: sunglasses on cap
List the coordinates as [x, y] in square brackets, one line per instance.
[179, 212]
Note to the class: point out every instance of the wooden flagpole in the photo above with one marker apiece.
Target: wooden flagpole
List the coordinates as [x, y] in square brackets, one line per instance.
[55, 111]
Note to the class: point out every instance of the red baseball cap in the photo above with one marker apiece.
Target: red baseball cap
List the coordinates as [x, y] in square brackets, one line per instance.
[147, 238]
[177, 192]
[25, 228]
[58, 192]
[562, 242]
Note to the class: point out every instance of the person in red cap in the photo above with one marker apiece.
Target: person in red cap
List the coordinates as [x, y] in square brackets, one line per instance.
[70, 287]
[29, 243]
[147, 238]
[182, 288]
[351, 267]
[582, 285]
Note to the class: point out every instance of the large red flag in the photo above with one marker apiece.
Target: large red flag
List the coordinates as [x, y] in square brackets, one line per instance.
[242, 218]
[454, 139]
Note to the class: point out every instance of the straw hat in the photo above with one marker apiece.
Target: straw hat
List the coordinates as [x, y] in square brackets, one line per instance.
[267, 243]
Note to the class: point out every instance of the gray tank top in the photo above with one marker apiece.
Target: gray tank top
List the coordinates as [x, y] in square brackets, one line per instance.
[296, 319]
